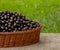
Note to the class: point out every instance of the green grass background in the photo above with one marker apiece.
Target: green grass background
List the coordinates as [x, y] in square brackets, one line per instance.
[46, 12]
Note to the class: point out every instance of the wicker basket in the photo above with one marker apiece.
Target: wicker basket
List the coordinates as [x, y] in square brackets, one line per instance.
[14, 39]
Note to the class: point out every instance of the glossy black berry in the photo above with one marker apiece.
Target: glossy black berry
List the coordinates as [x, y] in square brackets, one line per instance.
[16, 21]
[34, 26]
[6, 28]
[5, 17]
[25, 28]
[9, 30]
[12, 22]
[3, 30]
[15, 24]
[19, 29]
[30, 28]
[3, 21]
[2, 27]
[2, 18]
[6, 24]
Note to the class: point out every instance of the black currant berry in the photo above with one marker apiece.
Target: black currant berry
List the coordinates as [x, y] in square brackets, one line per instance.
[12, 22]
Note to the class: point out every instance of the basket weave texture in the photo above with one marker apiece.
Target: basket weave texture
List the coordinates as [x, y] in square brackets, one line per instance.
[22, 38]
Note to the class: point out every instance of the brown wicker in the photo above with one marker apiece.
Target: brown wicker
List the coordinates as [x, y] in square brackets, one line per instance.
[14, 39]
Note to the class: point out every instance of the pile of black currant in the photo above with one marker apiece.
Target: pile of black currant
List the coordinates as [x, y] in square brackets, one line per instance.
[13, 21]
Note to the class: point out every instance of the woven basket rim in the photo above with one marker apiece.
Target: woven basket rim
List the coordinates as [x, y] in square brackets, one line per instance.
[22, 32]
